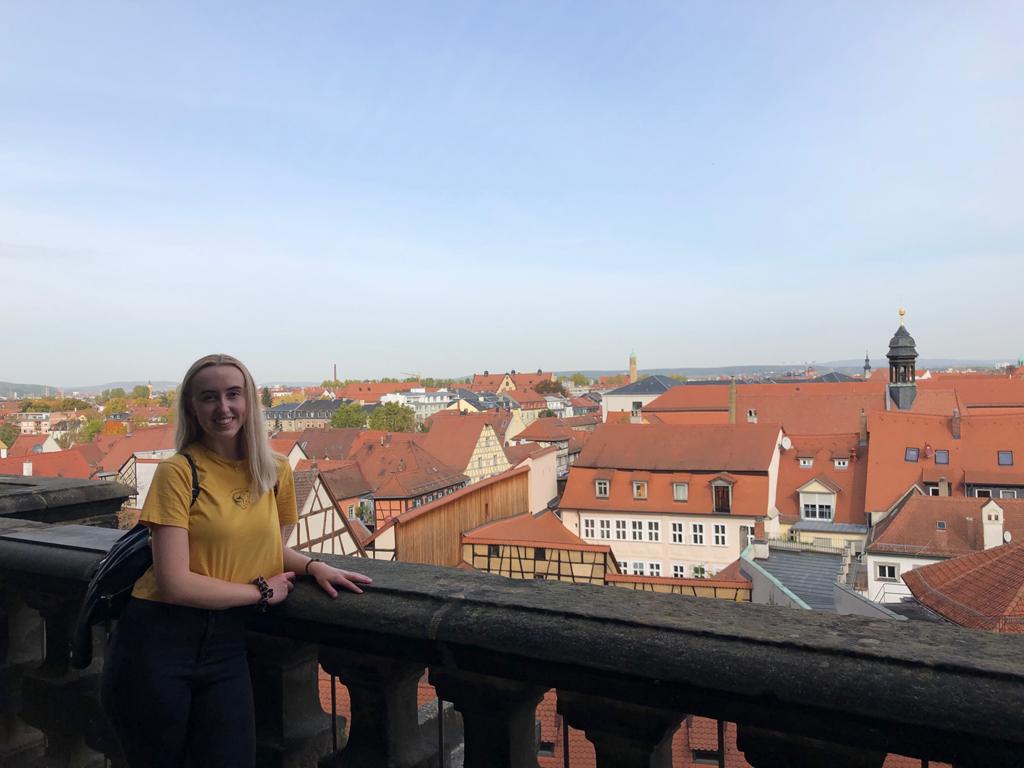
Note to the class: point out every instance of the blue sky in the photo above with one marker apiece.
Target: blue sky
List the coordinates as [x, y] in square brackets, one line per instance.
[446, 187]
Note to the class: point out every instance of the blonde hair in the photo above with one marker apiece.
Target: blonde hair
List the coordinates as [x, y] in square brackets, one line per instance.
[261, 461]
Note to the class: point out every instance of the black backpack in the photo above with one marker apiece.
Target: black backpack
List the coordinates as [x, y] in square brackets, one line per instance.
[112, 582]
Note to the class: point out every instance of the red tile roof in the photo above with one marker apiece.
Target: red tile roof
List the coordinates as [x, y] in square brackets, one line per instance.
[983, 590]
[850, 482]
[56, 464]
[701, 447]
[371, 391]
[24, 444]
[402, 469]
[543, 530]
[453, 439]
[118, 448]
[914, 530]
[517, 454]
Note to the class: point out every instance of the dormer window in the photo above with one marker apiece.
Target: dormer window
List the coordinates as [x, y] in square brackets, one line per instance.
[680, 491]
[1004, 458]
[639, 489]
[637, 406]
[842, 463]
[723, 496]
[601, 489]
[806, 462]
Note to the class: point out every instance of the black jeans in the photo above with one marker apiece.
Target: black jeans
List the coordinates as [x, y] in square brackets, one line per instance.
[176, 684]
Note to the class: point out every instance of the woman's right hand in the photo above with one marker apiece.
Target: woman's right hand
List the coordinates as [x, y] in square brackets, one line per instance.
[282, 584]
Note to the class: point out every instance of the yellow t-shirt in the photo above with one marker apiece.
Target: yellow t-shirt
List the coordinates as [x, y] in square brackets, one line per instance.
[230, 536]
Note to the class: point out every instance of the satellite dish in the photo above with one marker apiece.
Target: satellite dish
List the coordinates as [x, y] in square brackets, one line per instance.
[786, 443]
[1007, 536]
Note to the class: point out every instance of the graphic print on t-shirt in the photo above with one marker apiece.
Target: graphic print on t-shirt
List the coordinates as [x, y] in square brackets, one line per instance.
[241, 497]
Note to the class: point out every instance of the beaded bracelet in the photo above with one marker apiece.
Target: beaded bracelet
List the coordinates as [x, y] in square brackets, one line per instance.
[309, 563]
[266, 592]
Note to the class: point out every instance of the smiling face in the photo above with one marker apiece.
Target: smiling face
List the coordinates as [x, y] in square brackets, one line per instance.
[219, 404]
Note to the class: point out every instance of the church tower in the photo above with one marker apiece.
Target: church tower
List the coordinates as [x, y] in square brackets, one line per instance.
[867, 366]
[902, 368]
[632, 367]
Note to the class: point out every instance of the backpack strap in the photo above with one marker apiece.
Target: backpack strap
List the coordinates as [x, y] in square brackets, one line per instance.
[195, 477]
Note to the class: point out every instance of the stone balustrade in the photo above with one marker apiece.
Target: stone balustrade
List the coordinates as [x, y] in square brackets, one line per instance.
[804, 688]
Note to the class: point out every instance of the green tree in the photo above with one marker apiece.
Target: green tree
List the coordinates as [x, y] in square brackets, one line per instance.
[392, 417]
[349, 415]
[266, 398]
[332, 384]
[90, 430]
[8, 434]
[678, 377]
[118, 392]
[168, 399]
[73, 404]
[579, 379]
[547, 412]
[141, 392]
[550, 388]
[115, 405]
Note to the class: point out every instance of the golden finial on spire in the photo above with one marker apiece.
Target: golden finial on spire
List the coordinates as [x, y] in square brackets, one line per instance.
[903, 314]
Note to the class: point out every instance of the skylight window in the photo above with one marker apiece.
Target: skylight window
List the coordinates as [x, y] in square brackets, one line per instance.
[942, 457]
[912, 454]
[1005, 458]
[940, 525]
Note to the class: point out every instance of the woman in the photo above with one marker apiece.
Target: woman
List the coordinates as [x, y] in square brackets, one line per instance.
[176, 681]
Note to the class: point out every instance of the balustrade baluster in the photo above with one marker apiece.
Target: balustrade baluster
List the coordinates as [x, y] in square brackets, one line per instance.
[624, 735]
[498, 717]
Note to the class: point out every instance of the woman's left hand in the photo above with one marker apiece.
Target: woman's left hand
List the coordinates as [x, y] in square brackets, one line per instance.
[328, 577]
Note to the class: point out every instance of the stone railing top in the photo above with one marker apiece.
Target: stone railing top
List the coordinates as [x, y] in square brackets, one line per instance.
[40, 498]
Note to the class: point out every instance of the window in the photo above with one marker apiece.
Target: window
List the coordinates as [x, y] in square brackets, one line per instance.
[940, 525]
[719, 535]
[493, 550]
[697, 533]
[620, 530]
[601, 489]
[723, 497]
[638, 530]
[911, 454]
[942, 457]
[806, 463]
[654, 569]
[680, 491]
[653, 530]
[699, 572]
[983, 493]
[639, 489]
[638, 568]
[817, 511]
[842, 463]
[1004, 458]
[637, 405]
[933, 490]
[705, 757]
[1007, 493]
[351, 511]
[678, 571]
[605, 527]
[588, 528]
[540, 553]
[886, 572]
[677, 533]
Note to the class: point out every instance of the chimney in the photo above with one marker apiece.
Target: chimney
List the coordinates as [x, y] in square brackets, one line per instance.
[863, 441]
[943, 487]
[335, 372]
[955, 424]
[992, 524]
[26, 468]
[732, 400]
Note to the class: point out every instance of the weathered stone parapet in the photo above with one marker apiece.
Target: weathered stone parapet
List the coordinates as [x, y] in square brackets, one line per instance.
[929, 691]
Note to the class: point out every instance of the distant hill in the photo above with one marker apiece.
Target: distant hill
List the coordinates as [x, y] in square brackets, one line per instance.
[127, 386]
[11, 390]
[844, 366]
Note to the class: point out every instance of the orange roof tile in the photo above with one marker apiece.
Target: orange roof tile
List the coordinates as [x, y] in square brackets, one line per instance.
[983, 590]
[822, 450]
[24, 444]
[56, 464]
[543, 530]
[914, 529]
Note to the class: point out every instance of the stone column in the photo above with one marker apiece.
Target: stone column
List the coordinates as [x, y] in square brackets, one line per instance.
[292, 730]
[383, 731]
[498, 717]
[21, 639]
[624, 735]
[772, 749]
